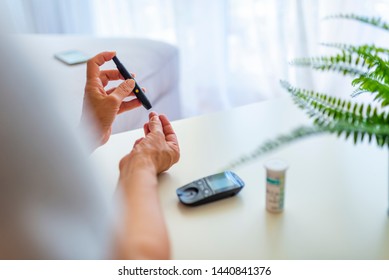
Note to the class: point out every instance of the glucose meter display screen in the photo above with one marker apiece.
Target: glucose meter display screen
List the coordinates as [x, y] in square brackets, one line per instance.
[220, 182]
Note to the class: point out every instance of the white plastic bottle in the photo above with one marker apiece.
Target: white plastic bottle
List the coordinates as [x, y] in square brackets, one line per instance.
[275, 185]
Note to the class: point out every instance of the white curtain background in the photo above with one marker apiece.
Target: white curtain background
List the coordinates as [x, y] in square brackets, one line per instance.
[232, 52]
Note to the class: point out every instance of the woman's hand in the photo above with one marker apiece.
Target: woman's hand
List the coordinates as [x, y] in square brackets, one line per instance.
[143, 234]
[157, 151]
[100, 106]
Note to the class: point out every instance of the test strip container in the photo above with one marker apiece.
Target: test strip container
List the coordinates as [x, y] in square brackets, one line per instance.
[275, 184]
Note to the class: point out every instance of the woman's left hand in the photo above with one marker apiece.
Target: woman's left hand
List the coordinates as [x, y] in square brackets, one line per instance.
[100, 106]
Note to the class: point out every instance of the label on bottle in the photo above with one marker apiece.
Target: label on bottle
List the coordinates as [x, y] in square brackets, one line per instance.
[275, 193]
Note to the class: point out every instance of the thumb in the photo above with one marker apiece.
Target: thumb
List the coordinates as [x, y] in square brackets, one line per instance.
[155, 124]
[124, 89]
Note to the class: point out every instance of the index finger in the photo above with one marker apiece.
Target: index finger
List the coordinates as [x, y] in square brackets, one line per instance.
[110, 75]
[93, 65]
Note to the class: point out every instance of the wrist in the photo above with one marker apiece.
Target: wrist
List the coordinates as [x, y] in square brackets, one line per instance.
[136, 164]
[95, 134]
[91, 134]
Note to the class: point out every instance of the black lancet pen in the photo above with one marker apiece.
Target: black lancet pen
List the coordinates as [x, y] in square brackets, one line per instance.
[137, 90]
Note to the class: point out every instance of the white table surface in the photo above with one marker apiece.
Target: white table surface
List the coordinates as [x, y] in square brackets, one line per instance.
[336, 193]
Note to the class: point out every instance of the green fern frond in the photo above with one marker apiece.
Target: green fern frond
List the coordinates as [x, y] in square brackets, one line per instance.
[378, 68]
[370, 83]
[366, 55]
[372, 49]
[342, 63]
[369, 65]
[341, 116]
[274, 144]
[354, 61]
[373, 21]
[381, 72]
[363, 62]
[360, 130]
[358, 92]
[347, 127]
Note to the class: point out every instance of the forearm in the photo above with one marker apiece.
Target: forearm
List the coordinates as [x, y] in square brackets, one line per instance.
[143, 233]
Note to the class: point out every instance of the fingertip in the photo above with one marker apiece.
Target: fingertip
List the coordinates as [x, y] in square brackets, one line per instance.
[155, 124]
[108, 55]
[163, 116]
[164, 119]
[152, 114]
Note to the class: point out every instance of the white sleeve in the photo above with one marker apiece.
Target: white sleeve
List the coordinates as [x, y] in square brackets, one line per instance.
[52, 204]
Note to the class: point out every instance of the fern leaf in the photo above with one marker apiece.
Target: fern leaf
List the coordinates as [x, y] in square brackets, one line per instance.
[370, 65]
[370, 84]
[327, 110]
[371, 49]
[353, 61]
[342, 63]
[278, 142]
[379, 131]
[342, 117]
[373, 21]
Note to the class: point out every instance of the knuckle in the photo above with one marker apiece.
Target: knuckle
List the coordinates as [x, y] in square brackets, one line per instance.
[122, 163]
[113, 100]
[159, 134]
[90, 62]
